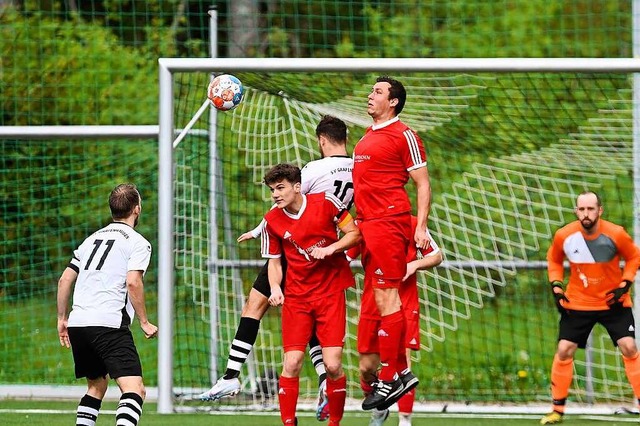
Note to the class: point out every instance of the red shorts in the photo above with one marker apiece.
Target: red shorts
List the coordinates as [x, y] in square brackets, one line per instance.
[368, 334]
[408, 292]
[386, 242]
[327, 315]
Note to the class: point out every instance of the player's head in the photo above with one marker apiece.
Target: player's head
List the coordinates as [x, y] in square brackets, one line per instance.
[588, 209]
[395, 92]
[125, 201]
[285, 181]
[332, 135]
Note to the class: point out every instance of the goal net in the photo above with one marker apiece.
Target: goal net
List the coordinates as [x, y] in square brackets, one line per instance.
[508, 152]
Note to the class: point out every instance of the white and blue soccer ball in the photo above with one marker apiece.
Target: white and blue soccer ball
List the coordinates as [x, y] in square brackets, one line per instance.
[225, 92]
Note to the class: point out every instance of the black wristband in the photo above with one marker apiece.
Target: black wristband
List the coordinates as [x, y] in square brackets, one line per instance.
[557, 283]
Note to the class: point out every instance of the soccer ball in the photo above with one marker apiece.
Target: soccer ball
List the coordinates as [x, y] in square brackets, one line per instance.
[225, 92]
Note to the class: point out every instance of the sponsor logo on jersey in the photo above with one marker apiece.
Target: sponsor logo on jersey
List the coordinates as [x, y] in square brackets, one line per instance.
[361, 157]
[378, 272]
[286, 235]
[319, 244]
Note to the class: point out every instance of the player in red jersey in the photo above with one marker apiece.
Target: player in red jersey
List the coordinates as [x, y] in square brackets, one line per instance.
[369, 325]
[330, 174]
[597, 292]
[303, 229]
[385, 158]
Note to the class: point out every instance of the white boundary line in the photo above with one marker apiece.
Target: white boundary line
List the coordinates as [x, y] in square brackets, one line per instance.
[497, 416]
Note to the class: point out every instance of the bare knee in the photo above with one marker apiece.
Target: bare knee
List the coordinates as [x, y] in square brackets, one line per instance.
[627, 347]
[334, 369]
[566, 350]
[97, 388]
[292, 363]
[132, 384]
[387, 300]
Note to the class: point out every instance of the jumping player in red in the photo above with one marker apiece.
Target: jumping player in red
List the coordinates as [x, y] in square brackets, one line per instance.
[597, 292]
[303, 229]
[369, 325]
[385, 158]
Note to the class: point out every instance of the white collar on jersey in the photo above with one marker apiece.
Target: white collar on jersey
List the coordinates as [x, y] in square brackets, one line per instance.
[385, 124]
[302, 208]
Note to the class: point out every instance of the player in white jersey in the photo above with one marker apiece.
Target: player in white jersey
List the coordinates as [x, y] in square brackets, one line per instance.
[107, 269]
[331, 174]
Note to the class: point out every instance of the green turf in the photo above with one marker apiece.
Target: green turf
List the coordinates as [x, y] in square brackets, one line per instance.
[151, 418]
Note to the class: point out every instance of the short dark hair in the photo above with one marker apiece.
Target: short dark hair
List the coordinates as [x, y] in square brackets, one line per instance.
[283, 171]
[123, 199]
[333, 128]
[396, 91]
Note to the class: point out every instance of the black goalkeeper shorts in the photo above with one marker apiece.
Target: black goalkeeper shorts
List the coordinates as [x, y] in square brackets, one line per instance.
[575, 326]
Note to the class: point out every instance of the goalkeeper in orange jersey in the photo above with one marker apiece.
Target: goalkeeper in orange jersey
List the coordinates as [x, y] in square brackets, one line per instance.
[597, 292]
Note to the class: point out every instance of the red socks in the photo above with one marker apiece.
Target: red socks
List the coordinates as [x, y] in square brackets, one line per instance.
[390, 344]
[337, 394]
[405, 404]
[288, 398]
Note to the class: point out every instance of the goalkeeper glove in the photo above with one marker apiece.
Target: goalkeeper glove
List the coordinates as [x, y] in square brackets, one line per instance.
[616, 294]
[559, 296]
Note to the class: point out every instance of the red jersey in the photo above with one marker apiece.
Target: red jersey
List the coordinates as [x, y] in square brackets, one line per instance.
[594, 262]
[297, 235]
[383, 158]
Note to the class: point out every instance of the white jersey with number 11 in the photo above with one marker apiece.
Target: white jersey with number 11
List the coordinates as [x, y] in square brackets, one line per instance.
[102, 261]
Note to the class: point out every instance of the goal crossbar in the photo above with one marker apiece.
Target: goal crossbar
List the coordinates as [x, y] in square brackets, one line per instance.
[169, 66]
[627, 65]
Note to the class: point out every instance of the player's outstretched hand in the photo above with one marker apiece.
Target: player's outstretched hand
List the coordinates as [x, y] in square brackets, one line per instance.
[276, 298]
[63, 333]
[150, 330]
[246, 236]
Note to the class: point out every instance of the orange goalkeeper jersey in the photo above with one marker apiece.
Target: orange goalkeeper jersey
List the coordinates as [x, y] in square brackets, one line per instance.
[594, 262]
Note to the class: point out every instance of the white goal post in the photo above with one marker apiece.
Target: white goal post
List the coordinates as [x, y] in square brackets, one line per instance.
[168, 67]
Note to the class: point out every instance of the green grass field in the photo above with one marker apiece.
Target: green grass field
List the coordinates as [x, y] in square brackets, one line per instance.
[56, 413]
